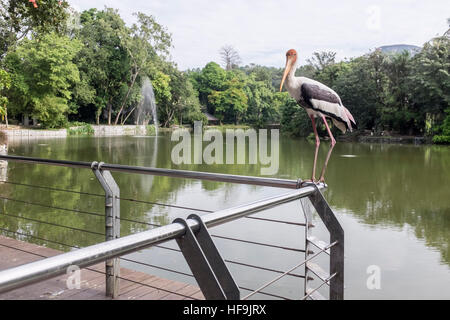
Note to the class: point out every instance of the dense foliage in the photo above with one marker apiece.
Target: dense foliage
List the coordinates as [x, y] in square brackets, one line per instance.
[90, 66]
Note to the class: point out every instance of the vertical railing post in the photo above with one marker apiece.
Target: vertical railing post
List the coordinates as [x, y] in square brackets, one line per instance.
[336, 251]
[112, 225]
[307, 211]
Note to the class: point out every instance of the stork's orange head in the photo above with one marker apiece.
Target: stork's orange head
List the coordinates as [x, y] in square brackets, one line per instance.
[291, 54]
[291, 59]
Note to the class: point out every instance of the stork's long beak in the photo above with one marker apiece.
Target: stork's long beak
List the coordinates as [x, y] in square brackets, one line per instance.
[287, 69]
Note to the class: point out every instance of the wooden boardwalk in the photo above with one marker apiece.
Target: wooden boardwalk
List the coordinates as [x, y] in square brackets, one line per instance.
[134, 285]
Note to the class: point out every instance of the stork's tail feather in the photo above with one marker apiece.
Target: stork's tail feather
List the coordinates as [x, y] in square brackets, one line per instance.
[352, 120]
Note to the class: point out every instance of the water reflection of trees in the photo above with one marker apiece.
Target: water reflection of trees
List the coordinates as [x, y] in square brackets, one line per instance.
[123, 150]
[388, 185]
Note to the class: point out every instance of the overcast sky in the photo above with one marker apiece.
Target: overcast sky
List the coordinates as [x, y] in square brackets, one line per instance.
[263, 30]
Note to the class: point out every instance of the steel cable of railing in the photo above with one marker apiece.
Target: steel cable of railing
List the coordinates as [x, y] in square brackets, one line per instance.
[278, 221]
[75, 211]
[102, 195]
[265, 293]
[263, 268]
[258, 243]
[225, 260]
[289, 271]
[146, 264]
[53, 224]
[155, 225]
[230, 238]
[51, 188]
[53, 207]
[39, 238]
[147, 223]
[144, 201]
[241, 264]
[173, 249]
[192, 276]
[226, 238]
[157, 267]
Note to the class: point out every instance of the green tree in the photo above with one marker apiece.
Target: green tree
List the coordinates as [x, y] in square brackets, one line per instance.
[211, 78]
[184, 103]
[20, 19]
[5, 84]
[356, 87]
[103, 61]
[231, 104]
[444, 136]
[143, 42]
[397, 113]
[43, 74]
[261, 106]
[430, 82]
[321, 60]
[163, 96]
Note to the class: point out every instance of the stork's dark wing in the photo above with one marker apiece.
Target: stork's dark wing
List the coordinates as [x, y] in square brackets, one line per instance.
[328, 103]
[314, 92]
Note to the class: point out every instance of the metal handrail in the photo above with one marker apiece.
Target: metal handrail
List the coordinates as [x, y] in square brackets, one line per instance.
[57, 265]
[219, 177]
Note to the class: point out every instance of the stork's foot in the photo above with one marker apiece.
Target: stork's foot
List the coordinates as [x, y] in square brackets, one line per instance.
[322, 181]
[309, 181]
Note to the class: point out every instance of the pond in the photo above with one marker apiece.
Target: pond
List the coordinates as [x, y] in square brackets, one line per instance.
[393, 202]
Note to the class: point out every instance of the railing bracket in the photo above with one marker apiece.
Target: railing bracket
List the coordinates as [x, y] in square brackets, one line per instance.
[206, 263]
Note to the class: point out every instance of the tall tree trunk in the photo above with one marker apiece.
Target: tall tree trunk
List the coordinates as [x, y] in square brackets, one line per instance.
[129, 114]
[170, 114]
[97, 116]
[109, 112]
[133, 80]
[6, 116]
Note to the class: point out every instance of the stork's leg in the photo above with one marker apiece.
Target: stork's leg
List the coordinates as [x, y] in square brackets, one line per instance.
[322, 175]
[313, 176]
[333, 142]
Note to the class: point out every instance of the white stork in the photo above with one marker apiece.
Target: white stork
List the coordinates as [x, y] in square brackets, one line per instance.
[319, 101]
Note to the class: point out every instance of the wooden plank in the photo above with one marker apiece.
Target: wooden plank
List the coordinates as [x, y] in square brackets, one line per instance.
[133, 284]
[148, 287]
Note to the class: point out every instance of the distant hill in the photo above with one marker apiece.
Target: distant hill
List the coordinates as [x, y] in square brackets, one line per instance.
[399, 48]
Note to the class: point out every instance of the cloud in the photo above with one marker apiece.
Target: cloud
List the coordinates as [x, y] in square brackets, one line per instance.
[263, 30]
